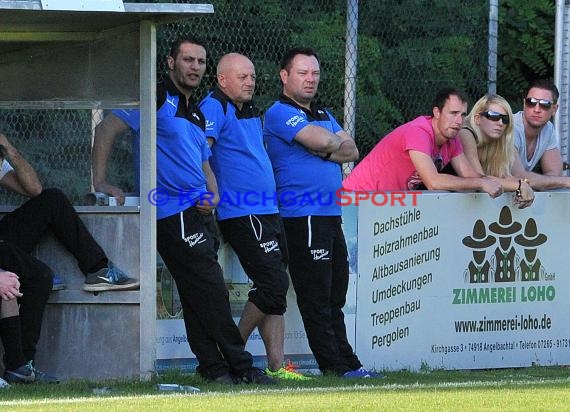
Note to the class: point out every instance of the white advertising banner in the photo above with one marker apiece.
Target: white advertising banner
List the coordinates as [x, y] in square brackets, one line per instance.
[463, 281]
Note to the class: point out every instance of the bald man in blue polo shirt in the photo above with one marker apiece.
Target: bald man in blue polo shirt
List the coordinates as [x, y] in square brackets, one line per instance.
[247, 212]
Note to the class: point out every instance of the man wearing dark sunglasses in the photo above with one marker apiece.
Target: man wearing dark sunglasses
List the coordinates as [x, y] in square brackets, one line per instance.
[535, 138]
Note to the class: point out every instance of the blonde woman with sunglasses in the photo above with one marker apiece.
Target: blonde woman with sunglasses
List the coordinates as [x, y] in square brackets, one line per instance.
[488, 143]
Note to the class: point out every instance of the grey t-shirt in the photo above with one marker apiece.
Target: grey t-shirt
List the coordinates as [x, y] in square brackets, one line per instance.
[546, 141]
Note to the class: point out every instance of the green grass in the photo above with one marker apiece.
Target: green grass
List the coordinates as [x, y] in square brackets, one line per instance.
[529, 389]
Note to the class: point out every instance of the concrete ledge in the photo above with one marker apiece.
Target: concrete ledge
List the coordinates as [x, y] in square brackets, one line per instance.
[90, 341]
[79, 297]
[90, 209]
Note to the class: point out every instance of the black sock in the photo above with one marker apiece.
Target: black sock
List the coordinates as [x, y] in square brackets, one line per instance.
[11, 335]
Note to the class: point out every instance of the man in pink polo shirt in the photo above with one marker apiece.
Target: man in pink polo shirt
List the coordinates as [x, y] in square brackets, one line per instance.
[413, 155]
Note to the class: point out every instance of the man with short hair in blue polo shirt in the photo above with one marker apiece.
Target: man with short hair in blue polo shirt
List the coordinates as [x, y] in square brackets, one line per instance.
[247, 212]
[307, 147]
[186, 236]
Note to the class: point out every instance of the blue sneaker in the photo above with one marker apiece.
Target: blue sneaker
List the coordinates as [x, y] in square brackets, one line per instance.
[109, 278]
[4, 384]
[362, 373]
[23, 374]
[58, 284]
[42, 376]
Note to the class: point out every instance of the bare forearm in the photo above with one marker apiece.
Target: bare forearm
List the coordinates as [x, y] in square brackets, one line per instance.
[326, 141]
[24, 173]
[211, 183]
[208, 203]
[454, 183]
[544, 182]
[347, 152]
[105, 134]
[318, 139]
[99, 157]
[510, 184]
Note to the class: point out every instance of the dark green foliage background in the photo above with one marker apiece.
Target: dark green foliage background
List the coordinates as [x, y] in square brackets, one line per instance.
[406, 51]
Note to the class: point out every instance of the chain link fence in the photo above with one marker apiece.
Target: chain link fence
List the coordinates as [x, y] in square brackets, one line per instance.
[403, 53]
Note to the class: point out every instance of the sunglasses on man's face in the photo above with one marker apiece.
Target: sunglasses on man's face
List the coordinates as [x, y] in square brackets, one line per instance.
[496, 116]
[532, 102]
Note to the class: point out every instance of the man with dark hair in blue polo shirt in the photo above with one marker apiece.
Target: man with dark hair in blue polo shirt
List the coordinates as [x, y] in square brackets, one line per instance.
[247, 213]
[307, 147]
[186, 237]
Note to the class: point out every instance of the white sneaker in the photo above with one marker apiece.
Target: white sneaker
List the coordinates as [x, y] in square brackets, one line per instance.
[4, 384]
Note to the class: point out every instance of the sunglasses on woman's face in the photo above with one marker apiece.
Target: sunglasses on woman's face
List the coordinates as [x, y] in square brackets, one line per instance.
[496, 116]
[532, 102]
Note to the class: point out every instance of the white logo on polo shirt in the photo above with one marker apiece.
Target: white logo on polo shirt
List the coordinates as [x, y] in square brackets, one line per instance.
[294, 121]
[170, 102]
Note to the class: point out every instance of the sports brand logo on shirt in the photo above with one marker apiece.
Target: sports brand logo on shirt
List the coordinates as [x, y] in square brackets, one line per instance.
[294, 121]
[270, 246]
[170, 102]
[210, 125]
[320, 254]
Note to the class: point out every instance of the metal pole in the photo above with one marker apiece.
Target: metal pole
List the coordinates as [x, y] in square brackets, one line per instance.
[493, 40]
[148, 212]
[561, 80]
[351, 58]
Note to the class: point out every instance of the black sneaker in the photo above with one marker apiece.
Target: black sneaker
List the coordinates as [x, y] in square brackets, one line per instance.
[109, 278]
[225, 379]
[258, 377]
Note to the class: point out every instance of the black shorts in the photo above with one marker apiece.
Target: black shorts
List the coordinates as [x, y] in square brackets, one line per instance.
[259, 243]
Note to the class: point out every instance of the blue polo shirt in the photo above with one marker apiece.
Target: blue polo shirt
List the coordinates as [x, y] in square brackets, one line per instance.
[306, 184]
[181, 148]
[239, 159]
